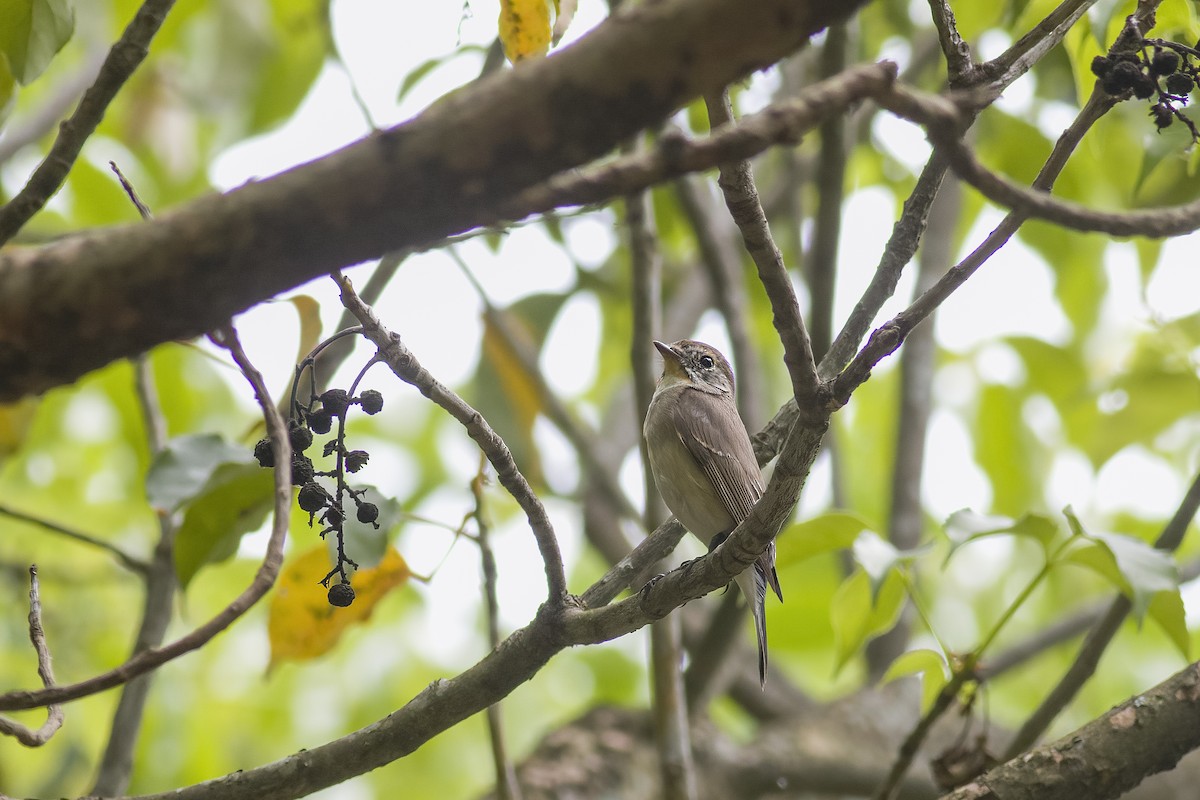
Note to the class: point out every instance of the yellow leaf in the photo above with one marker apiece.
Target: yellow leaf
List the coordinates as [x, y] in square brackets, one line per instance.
[15, 419]
[301, 624]
[309, 312]
[519, 391]
[524, 28]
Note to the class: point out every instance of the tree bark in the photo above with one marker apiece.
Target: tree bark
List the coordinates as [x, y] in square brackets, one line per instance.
[76, 304]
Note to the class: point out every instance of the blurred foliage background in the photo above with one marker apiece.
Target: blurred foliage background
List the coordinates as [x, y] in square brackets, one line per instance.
[1065, 374]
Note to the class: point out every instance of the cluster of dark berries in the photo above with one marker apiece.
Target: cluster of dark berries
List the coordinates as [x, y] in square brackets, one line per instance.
[317, 417]
[1163, 71]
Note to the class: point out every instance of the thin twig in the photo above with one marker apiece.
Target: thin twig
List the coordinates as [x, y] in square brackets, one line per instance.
[406, 367]
[142, 209]
[942, 119]
[636, 566]
[820, 266]
[1060, 631]
[507, 787]
[40, 121]
[741, 197]
[127, 560]
[959, 64]
[578, 433]
[906, 520]
[264, 578]
[891, 334]
[912, 743]
[124, 57]
[672, 735]
[37, 636]
[897, 253]
[673, 156]
[1039, 40]
[721, 259]
[908, 230]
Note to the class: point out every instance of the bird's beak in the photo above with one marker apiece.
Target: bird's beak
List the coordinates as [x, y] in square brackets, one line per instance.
[672, 363]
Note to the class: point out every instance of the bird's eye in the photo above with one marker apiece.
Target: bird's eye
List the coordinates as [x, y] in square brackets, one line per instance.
[706, 362]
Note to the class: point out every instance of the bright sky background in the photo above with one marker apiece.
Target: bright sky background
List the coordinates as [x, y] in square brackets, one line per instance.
[382, 42]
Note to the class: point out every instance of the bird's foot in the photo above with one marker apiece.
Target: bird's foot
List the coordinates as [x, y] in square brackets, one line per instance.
[645, 590]
[716, 541]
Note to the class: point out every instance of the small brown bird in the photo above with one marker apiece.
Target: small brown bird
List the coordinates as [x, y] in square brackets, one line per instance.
[703, 463]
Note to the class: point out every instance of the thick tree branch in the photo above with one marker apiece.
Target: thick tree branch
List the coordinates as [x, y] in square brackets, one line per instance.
[396, 188]
[1108, 756]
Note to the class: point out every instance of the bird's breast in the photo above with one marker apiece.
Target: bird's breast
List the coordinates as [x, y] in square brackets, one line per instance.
[685, 489]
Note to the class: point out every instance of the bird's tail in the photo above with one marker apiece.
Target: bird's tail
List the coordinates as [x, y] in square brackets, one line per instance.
[753, 583]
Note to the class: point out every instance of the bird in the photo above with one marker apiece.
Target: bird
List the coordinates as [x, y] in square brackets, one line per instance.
[703, 463]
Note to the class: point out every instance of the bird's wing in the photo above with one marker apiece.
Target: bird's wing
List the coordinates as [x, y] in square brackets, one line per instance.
[716, 438]
[722, 448]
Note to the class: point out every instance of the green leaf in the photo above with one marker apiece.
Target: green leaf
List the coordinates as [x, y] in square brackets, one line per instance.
[31, 34]
[1139, 570]
[856, 618]
[929, 664]
[8, 90]
[235, 500]
[1166, 608]
[182, 470]
[966, 526]
[505, 392]
[823, 534]
[1006, 450]
[877, 557]
[425, 68]
[291, 61]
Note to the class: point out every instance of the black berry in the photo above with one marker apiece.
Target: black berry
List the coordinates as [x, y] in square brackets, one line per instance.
[1162, 115]
[356, 460]
[1164, 62]
[1121, 77]
[320, 421]
[368, 512]
[312, 497]
[1180, 83]
[302, 469]
[1144, 86]
[371, 401]
[341, 595]
[335, 401]
[263, 453]
[300, 437]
